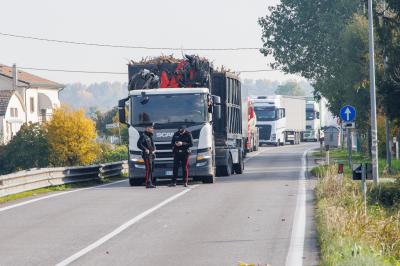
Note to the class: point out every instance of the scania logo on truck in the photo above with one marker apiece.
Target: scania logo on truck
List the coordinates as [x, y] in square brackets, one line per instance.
[164, 134]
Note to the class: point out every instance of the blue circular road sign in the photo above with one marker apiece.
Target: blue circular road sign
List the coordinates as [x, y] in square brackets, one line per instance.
[348, 113]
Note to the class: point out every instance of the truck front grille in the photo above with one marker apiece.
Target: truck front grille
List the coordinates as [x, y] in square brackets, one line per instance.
[265, 132]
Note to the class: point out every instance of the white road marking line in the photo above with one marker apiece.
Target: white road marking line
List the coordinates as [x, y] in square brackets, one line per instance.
[56, 195]
[296, 247]
[121, 228]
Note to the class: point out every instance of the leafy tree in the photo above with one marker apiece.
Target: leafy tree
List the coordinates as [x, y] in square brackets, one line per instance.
[71, 137]
[27, 149]
[326, 42]
[290, 88]
[388, 27]
[104, 118]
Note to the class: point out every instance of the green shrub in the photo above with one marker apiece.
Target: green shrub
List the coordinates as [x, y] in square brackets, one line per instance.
[386, 195]
[110, 154]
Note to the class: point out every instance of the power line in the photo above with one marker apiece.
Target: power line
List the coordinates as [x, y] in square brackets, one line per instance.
[126, 46]
[74, 71]
[118, 73]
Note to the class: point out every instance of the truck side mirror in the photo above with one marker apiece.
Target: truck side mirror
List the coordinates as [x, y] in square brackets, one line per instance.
[217, 106]
[121, 111]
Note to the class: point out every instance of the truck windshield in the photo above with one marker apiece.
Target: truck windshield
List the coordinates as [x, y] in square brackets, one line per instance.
[170, 108]
[310, 115]
[265, 113]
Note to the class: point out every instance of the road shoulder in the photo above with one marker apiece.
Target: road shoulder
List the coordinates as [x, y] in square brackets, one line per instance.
[311, 248]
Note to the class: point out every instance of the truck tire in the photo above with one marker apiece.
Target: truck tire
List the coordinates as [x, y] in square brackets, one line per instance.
[135, 182]
[239, 167]
[209, 179]
[226, 170]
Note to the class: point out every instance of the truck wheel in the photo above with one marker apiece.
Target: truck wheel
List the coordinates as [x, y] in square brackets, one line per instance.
[209, 179]
[135, 182]
[239, 167]
[226, 170]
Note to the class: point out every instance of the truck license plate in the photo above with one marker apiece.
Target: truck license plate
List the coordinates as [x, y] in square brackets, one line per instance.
[168, 172]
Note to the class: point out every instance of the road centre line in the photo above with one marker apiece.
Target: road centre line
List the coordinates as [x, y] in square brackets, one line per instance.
[56, 195]
[296, 247]
[122, 228]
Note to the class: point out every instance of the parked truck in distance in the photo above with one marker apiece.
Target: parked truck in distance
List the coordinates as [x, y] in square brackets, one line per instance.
[280, 119]
[169, 93]
[317, 118]
[313, 120]
[252, 136]
[249, 121]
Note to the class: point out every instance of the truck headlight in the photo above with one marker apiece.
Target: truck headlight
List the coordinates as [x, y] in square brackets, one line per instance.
[136, 158]
[203, 156]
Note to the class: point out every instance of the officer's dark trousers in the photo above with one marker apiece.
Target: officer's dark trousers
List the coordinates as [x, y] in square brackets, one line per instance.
[149, 164]
[181, 159]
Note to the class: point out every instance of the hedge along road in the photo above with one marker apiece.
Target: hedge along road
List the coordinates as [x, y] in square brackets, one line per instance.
[245, 218]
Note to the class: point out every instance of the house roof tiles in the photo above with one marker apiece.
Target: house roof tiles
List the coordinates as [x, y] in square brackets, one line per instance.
[29, 79]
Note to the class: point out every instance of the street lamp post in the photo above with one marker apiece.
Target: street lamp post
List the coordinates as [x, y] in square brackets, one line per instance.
[374, 127]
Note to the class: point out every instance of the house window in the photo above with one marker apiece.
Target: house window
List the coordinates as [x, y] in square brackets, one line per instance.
[43, 114]
[14, 112]
[32, 104]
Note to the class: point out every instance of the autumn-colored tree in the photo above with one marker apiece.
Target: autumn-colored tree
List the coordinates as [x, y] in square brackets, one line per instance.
[71, 137]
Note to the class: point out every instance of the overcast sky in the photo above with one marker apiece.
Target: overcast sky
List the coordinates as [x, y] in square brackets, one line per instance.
[172, 23]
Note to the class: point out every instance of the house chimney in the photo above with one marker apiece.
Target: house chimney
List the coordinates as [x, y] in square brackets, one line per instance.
[15, 77]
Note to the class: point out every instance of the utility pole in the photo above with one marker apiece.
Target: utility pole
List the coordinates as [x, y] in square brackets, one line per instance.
[388, 144]
[374, 127]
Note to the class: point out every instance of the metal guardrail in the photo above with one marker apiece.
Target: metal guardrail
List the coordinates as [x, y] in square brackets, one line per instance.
[45, 177]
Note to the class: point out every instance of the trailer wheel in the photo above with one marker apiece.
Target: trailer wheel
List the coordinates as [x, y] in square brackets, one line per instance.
[209, 179]
[226, 170]
[135, 182]
[239, 167]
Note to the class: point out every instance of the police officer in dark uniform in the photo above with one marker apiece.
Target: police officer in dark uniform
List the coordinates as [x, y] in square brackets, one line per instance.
[146, 144]
[181, 143]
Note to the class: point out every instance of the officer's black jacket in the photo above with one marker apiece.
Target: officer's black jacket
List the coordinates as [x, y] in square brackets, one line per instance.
[146, 142]
[187, 141]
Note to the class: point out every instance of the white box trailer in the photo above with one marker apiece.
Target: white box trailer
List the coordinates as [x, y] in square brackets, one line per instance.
[318, 117]
[280, 119]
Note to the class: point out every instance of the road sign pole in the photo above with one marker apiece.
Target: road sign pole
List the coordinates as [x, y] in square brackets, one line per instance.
[374, 130]
[349, 147]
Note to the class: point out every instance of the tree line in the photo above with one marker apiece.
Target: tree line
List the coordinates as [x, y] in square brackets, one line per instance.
[70, 138]
[326, 42]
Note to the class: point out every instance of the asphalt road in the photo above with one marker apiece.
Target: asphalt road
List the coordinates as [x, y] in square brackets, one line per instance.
[263, 216]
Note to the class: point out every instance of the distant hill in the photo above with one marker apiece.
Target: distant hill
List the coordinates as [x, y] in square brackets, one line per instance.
[103, 96]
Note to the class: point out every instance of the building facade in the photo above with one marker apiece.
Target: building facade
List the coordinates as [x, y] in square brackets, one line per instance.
[24, 98]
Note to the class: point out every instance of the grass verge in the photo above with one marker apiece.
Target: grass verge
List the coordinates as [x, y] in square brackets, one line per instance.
[341, 156]
[45, 190]
[347, 236]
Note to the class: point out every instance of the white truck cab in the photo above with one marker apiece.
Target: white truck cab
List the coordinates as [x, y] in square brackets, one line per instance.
[280, 119]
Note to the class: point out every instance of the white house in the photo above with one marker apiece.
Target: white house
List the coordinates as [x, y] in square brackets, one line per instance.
[24, 98]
